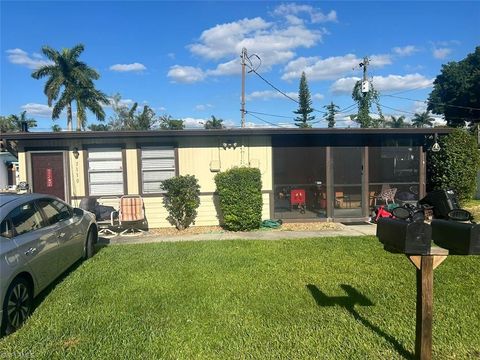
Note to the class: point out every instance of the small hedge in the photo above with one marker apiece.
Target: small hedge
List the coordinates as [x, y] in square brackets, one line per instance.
[240, 193]
[181, 200]
[456, 165]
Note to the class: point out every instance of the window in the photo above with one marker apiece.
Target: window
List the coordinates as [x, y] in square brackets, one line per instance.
[26, 218]
[6, 229]
[54, 210]
[105, 171]
[158, 163]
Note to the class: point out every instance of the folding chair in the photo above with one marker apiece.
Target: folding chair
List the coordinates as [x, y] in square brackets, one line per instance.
[131, 215]
[106, 212]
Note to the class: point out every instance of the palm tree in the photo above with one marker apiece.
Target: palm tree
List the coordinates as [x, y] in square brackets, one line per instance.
[14, 122]
[397, 122]
[422, 120]
[214, 123]
[76, 79]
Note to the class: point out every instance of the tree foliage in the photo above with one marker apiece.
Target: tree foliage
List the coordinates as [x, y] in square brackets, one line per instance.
[422, 120]
[169, 123]
[214, 123]
[329, 116]
[456, 165]
[129, 118]
[13, 123]
[71, 80]
[240, 194]
[396, 122]
[304, 105]
[456, 91]
[182, 198]
[365, 102]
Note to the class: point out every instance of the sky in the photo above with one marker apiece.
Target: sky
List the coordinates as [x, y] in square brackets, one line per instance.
[183, 58]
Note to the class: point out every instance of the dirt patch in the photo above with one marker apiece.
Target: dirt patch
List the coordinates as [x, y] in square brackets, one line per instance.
[194, 230]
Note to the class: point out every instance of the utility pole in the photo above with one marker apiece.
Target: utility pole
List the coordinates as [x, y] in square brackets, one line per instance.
[365, 84]
[243, 56]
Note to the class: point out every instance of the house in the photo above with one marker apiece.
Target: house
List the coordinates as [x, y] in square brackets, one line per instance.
[339, 174]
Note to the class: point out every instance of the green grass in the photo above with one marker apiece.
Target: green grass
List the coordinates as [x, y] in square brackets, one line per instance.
[325, 298]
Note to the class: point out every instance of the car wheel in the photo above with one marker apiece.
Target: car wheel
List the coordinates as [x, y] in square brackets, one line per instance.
[89, 244]
[17, 305]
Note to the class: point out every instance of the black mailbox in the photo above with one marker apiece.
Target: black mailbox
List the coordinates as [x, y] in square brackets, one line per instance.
[400, 236]
[459, 238]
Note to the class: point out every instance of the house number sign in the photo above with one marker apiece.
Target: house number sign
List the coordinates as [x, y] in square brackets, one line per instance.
[49, 177]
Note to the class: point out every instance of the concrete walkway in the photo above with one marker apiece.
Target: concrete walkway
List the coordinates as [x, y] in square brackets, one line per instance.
[351, 230]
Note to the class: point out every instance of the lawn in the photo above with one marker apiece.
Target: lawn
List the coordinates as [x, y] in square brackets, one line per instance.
[325, 298]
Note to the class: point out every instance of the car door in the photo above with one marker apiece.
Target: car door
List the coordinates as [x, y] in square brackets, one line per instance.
[69, 234]
[36, 244]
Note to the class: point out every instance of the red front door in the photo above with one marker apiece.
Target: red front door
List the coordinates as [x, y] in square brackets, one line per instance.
[48, 174]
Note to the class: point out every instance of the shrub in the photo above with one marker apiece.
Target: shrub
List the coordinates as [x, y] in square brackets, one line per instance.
[181, 200]
[240, 193]
[456, 165]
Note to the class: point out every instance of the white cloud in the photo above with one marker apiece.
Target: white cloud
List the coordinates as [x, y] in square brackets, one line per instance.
[39, 110]
[21, 57]
[384, 83]
[232, 67]
[330, 68]
[128, 67]
[203, 107]
[271, 94]
[190, 122]
[295, 10]
[406, 50]
[441, 53]
[273, 42]
[186, 74]
[122, 102]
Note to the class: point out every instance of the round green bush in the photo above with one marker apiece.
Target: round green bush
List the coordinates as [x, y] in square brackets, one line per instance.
[181, 200]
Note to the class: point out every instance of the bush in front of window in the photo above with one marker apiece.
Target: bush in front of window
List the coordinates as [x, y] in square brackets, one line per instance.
[456, 165]
[181, 200]
[240, 193]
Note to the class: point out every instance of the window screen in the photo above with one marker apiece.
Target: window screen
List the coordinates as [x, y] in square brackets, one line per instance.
[158, 163]
[105, 171]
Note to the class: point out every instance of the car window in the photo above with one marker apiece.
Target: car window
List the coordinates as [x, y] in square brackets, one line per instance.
[25, 218]
[6, 229]
[54, 210]
[64, 210]
[51, 213]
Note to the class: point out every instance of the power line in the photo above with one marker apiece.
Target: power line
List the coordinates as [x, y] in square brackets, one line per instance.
[272, 115]
[403, 111]
[434, 103]
[282, 92]
[265, 121]
[273, 86]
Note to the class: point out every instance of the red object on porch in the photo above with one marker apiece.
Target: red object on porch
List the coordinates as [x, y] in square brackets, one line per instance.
[297, 197]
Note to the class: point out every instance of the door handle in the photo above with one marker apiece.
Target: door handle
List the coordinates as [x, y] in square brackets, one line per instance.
[31, 251]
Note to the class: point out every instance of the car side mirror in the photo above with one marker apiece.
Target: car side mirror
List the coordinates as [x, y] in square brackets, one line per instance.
[77, 212]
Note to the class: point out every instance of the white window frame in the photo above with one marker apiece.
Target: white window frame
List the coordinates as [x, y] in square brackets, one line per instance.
[103, 156]
[166, 163]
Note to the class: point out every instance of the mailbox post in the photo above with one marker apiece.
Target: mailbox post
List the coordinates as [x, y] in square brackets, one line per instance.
[425, 265]
[414, 239]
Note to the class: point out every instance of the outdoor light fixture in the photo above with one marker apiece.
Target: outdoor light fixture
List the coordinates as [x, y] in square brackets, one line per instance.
[229, 144]
[436, 146]
[76, 154]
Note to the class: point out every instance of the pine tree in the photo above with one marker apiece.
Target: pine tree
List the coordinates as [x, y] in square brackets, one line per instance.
[332, 110]
[304, 105]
